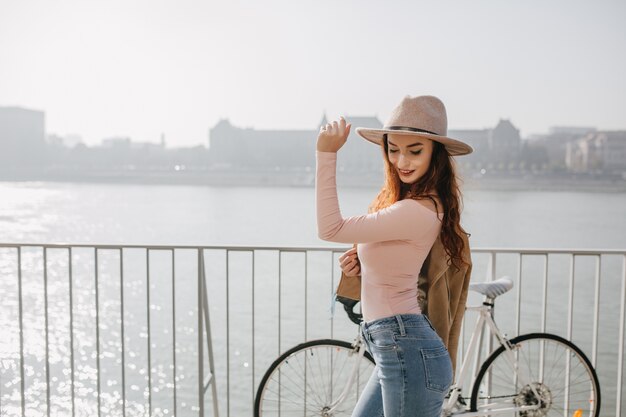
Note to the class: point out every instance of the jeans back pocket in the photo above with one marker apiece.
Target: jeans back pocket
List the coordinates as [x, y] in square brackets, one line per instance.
[437, 368]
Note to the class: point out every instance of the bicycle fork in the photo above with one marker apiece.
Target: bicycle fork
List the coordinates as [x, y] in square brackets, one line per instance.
[359, 350]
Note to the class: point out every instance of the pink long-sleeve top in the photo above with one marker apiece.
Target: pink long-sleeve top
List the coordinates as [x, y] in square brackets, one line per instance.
[391, 244]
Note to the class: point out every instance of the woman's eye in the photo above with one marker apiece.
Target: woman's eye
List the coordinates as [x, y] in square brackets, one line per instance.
[416, 152]
[393, 150]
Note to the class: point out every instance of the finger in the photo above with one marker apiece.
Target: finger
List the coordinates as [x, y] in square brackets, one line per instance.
[350, 251]
[348, 128]
[354, 271]
[342, 123]
[346, 255]
[348, 262]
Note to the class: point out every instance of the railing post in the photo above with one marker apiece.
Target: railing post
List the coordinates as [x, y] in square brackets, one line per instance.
[227, 332]
[97, 327]
[47, 326]
[174, 329]
[123, 347]
[21, 314]
[209, 340]
[596, 311]
[620, 349]
[200, 346]
[149, 331]
[72, 366]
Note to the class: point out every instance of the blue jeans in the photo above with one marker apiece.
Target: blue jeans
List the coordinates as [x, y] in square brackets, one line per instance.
[413, 369]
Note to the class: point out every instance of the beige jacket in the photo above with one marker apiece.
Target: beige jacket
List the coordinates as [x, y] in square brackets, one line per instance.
[442, 289]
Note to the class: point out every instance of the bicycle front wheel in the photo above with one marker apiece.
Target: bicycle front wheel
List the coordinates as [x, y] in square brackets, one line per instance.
[543, 375]
[309, 380]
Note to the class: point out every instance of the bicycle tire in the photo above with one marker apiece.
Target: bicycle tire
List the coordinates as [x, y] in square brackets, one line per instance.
[545, 358]
[304, 393]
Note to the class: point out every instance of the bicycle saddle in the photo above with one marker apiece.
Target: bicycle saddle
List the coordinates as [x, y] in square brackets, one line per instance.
[494, 288]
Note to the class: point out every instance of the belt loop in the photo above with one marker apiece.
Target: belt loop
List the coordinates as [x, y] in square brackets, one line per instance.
[364, 333]
[400, 325]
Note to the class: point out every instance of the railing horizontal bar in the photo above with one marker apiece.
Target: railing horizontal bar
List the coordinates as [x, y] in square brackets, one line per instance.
[526, 251]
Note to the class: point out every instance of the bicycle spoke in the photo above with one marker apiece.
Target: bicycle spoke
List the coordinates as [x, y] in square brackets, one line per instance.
[551, 375]
[309, 379]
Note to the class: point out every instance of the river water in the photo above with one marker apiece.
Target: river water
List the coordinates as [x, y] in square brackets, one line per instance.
[249, 216]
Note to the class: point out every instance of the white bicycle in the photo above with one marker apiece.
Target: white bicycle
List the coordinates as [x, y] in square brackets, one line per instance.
[532, 375]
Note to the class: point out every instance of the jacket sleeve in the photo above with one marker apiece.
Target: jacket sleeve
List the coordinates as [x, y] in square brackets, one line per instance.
[457, 320]
[405, 219]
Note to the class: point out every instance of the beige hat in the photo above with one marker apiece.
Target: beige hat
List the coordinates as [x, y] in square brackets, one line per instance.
[423, 116]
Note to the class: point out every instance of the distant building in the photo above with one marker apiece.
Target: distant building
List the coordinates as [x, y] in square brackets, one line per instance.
[251, 149]
[66, 141]
[478, 139]
[504, 141]
[556, 143]
[497, 149]
[246, 148]
[492, 146]
[22, 137]
[602, 151]
[360, 155]
[117, 142]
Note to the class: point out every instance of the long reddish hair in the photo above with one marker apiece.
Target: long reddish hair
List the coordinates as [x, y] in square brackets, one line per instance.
[440, 179]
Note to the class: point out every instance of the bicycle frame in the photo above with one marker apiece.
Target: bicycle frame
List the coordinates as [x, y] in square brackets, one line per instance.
[485, 318]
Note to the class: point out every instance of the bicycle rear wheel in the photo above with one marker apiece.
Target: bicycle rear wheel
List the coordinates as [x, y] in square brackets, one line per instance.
[308, 379]
[551, 373]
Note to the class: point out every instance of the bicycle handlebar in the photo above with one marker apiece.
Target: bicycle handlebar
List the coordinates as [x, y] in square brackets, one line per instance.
[348, 306]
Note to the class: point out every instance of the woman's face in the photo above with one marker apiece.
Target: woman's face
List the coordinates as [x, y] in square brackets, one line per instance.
[410, 156]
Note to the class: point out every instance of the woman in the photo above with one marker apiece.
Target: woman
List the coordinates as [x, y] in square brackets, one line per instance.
[419, 202]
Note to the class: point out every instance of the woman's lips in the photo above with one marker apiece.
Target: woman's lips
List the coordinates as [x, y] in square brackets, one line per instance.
[405, 172]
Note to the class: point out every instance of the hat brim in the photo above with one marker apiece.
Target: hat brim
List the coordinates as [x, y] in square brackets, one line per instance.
[453, 146]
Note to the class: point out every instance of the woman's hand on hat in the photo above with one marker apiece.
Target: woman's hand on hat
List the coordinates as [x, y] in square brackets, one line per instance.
[333, 135]
[350, 264]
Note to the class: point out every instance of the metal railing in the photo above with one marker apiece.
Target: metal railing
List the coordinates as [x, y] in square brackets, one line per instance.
[85, 327]
[203, 334]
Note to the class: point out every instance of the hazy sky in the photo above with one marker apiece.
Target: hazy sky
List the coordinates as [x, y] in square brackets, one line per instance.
[138, 68]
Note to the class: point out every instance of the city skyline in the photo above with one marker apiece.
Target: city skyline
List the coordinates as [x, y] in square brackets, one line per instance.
[74, 137]
[25, 148]
[110, 69]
